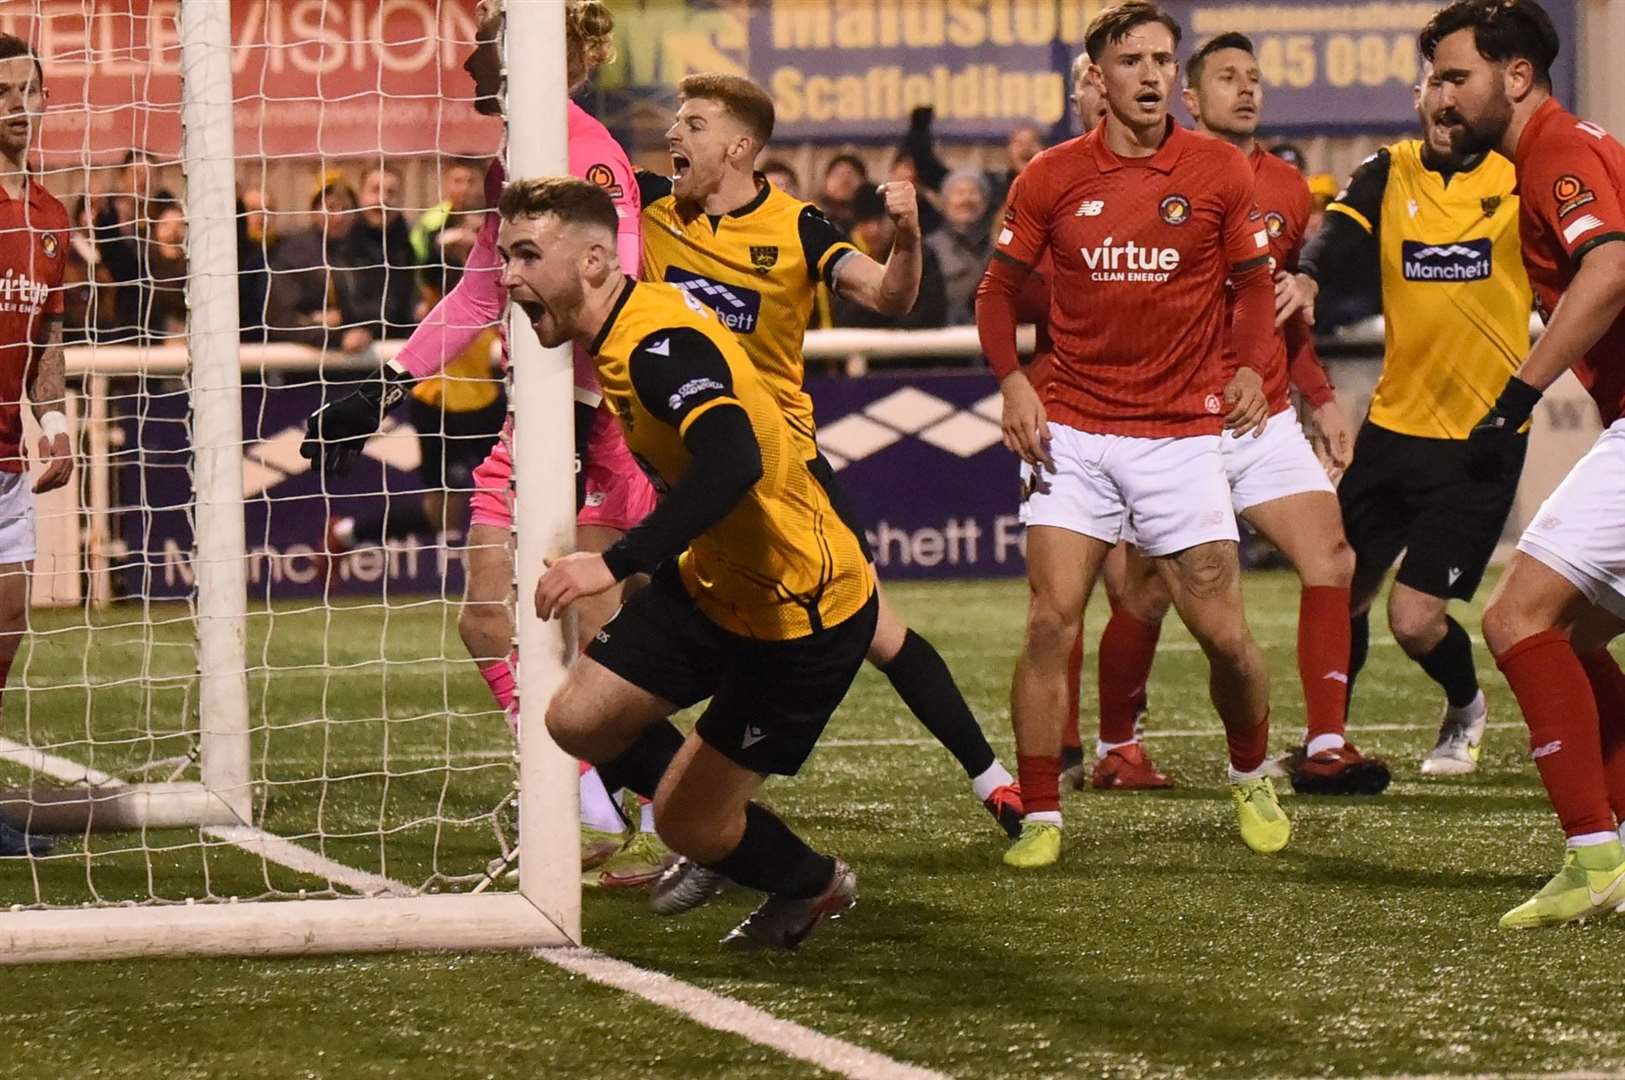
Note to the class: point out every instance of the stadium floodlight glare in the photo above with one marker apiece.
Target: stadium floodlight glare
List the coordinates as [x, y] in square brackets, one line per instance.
[263, 843]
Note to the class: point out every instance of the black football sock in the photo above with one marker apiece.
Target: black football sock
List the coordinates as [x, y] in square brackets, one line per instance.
[640, 767]
[772, 859]
[1359, 645]
[1450, 664]
[927, 687]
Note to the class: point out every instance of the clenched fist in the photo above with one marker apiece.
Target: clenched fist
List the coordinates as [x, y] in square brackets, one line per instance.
[902, 205]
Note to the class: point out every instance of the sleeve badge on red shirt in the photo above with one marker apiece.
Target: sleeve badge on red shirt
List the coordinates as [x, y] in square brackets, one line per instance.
[1175, 210]
[48, 244]
[1275, 223]
[1571, 194]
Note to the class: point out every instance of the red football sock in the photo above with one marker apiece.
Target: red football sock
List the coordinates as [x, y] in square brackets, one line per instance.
[1127, 648]
[1248, 745]
[1070, 738]
[1323, 657]
[1608, 687]
[1564, 737]
[1040, 782]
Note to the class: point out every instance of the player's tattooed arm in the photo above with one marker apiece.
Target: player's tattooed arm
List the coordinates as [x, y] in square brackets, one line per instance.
[889, 289]
[47, 391]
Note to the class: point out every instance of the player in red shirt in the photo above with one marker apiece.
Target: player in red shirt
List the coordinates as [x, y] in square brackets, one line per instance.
[33, 252]
[1276, 482]
[1563, 596]
[1144, 221]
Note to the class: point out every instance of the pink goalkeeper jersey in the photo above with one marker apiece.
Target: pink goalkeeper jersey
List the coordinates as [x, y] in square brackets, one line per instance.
[478, 301]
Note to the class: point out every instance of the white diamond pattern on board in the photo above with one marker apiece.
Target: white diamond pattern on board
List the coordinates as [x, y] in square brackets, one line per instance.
[857, 436]
[909, 410]
[965, 434]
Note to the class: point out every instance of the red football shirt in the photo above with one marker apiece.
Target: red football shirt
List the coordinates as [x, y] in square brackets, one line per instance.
[1141, 249]
[1283, 198]
[1570, 177]
[33, 253]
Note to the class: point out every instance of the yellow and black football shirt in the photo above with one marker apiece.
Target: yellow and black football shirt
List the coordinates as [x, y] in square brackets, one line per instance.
[1455, 297]
[780, 564]
[758, 267]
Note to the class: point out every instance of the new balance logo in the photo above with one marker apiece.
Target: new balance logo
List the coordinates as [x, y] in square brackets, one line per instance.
[661, 347]
[1453, 573]
[753, 735]
[737, 307]
[1130, 262]
[1337, 676]
[1090, 208]
[1468, 260]
[1550, 748]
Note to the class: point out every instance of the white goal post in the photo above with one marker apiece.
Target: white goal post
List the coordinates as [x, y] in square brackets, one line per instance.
[373, 912]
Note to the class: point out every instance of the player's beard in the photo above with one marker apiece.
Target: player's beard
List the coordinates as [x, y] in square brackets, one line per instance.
[1480, 135]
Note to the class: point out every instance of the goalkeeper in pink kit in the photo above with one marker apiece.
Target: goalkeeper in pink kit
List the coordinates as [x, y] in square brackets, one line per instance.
[612, 494]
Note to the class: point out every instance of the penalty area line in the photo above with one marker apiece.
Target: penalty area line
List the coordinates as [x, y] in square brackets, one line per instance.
[704, 1007]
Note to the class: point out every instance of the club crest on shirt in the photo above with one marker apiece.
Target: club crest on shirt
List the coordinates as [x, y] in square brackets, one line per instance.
[763, 258]
[1275, 223]
[1490, 204]
[604, 177]
[1175, 210]
[48, 244]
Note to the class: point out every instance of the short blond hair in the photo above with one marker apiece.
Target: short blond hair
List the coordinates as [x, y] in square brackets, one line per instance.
[742, 99]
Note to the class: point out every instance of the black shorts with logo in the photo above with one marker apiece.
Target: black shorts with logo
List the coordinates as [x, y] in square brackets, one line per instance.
[770, 700]
[1411, 494]
[824, 473]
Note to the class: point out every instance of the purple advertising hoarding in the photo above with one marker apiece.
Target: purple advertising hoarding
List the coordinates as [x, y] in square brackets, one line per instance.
[285, 506]
[919, 455]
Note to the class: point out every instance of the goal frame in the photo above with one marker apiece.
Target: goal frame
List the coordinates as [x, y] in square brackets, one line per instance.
[545, 910]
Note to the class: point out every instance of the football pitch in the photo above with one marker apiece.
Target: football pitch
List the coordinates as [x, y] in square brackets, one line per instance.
[1159, 946]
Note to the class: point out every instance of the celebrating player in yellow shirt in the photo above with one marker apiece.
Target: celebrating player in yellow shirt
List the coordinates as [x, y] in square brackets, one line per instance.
[761, 599]
[756, 256]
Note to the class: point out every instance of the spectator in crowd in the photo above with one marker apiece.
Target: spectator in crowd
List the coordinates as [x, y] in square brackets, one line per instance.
[122, 224]
[873, 233]
[164, 271]
[87, 286]
[1024, 144]
[1292, 154]
[844, 177]
[962, 245]
[301, 305]
[376, 276]
[258, 218]
[782, 176]
[445, 233]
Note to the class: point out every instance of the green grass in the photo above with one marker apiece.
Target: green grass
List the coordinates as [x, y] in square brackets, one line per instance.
[1159, 946]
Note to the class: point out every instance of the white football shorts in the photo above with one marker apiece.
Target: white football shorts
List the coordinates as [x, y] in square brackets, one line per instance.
[1166, 495]
[1579, 531]
[16, 517]
[1278, 463]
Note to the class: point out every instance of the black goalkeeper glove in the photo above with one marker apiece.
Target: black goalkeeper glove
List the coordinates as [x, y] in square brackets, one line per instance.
[336, 433]
[1495, 445]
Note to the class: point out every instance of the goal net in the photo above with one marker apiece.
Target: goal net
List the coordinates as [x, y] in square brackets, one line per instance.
[242, 719]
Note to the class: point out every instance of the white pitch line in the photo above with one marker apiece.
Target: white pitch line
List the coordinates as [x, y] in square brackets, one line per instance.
[735, 1017]
[273, 848]
[704, 1007]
